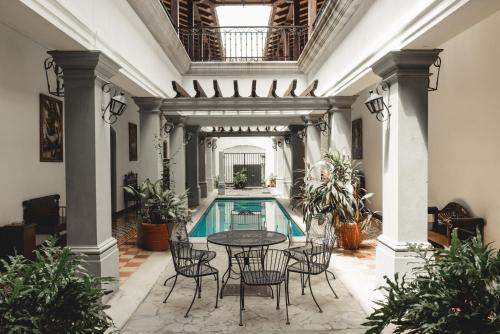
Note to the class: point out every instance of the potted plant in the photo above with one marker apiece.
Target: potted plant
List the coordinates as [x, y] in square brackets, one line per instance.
[455, 290]
[240, 179]
[336, 194]
[51, 294]
[160, 207]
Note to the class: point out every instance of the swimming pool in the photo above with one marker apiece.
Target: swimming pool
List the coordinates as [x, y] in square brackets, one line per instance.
[226, 214]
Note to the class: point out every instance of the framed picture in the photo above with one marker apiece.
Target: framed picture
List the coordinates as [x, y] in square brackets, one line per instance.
[357, 139]
[51, 129]
[132, 142]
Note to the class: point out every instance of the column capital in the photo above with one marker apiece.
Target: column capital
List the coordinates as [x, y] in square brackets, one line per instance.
[409, 63]
[294, 128]
[341, 103]
[148, 104]
[79, 63]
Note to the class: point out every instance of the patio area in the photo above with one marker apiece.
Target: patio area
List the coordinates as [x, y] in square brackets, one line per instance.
[342, 315]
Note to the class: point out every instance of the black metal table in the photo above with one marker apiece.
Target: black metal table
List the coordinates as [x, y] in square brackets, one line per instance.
[246, 240]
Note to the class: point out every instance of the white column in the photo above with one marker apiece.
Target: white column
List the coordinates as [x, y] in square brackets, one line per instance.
[208, 165]
[214, 159]
[404, 158]
[280, 166]
[150, 156]
[87, 154]
[177, 158]
[222, 184]
[340, 123]
[313, 146]
[287, 168]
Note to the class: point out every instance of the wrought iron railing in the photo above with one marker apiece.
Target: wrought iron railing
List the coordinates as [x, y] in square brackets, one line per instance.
[244, 44]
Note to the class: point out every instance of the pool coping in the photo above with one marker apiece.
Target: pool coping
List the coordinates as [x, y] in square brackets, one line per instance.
[205, 203]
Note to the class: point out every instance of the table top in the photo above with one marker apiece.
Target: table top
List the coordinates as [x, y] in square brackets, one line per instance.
[246, 238]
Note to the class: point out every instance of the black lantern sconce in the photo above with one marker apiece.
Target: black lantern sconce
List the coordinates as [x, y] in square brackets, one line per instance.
[376, 105]
[116, 106]
[288, 140]
[168, 126]
[57, 89]
[202, 141]
[302, 134]
[188, 138]
[322, 125]
[275, 145]
[280, 143]
[214, 146]
[437, 65]
[209, 143]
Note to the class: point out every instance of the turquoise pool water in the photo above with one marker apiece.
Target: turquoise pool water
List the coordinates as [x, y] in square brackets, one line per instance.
[245, 214]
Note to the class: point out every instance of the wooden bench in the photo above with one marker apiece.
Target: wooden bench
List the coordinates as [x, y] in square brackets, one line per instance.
[452, 216]
[48, 216]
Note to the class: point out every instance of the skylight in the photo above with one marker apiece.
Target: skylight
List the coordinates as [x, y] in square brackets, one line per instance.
[247, 16]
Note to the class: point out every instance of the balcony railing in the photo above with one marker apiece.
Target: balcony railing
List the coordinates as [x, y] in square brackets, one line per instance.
[244, 44]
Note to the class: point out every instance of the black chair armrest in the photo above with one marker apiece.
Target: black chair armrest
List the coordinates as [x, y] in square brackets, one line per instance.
[432, 210]
[468, 225]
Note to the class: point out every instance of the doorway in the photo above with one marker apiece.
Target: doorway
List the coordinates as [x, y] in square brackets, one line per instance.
[112, 139]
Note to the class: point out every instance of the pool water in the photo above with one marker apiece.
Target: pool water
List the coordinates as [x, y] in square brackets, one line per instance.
[245, 214]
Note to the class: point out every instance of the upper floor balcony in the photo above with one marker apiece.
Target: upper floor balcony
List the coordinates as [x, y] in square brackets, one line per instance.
[289, 26]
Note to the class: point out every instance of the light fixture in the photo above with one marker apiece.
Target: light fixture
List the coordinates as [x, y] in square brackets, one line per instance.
[57, 75]
[116, 106]
[209, 143]
[280, 143]
[322, 125]
[202, 141]
[221, 129]
[302, 134]
[275, 145]
[168, 126]
[188, 138]
[214, 146]
[376, 105]
[287, 140]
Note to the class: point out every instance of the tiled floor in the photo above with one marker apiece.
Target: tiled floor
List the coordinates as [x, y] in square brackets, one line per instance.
[131, 258]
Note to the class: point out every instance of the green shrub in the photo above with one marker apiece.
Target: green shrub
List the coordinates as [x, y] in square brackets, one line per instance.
[240, 179]
[456, 290]
[51, 294]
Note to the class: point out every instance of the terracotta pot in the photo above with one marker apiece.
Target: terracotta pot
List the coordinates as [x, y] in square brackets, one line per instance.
[351, 235]
[155, 237]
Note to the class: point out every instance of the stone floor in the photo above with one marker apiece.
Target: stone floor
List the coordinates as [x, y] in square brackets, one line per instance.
[343, 315]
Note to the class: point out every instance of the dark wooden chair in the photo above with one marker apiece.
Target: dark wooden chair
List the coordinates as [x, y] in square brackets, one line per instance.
[130, 180]
[48, 216]
[452, 216]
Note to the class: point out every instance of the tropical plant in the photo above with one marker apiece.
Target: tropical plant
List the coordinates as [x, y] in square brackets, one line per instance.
[51, 294]
[240, 179]
[160, 204]
[455, 290]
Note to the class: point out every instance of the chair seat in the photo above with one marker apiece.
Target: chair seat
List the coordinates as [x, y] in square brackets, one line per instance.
[194, 271]
[303, 268]
[268, 277]
[187, 253]
[297, 253]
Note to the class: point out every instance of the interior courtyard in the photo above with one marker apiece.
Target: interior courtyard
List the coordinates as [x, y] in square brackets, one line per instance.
[235, 110]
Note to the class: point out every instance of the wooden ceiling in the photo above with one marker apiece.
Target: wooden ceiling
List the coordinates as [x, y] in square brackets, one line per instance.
[204, 15]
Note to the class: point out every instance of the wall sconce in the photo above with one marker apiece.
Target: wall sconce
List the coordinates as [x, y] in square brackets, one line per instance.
[376, 105]
[188, 138]
[287, 140]
[168, 127]
[275, 145]
[322, 125]
[202, 141]
[48, 65]
[302, 134]
[209, 143]
[221, 129]
[214, 146]
[280, 143]
[116, 106]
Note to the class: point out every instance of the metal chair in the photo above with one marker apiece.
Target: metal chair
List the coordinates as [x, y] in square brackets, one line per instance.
[265, 267]
[189, 265]
[316, 260]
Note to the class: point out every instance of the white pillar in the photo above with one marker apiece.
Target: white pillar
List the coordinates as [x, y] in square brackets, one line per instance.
[404, 158]
[340, 123]
[208, 165]
[150, 156]
[313, 146]
[87, 154]
[287, 168]
[280, 166]
[177, 158]
[222, 184]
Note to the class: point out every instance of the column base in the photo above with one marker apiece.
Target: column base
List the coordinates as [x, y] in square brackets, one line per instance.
[102, 260]
[394, 257]
[210, 185]
[222, 188]
[203, 189]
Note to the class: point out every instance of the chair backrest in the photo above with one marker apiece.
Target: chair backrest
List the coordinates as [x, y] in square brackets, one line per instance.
[246, 220]
[181, 253]
[262, 260]
[42, 210]
[321, 230]
[318, 255]
[453, 210]
[179, 232]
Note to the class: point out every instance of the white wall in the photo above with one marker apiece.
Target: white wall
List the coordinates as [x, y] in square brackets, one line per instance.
[463, 128]
[247, 145]
[22, 175]
[123, 165]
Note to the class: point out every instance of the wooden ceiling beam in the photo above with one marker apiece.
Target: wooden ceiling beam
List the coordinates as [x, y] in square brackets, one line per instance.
[272, 89]
[236, 89]
[179, 91]
[254, 89]
[309, 91]
[217, 91]
[198, 89]
[291, 89]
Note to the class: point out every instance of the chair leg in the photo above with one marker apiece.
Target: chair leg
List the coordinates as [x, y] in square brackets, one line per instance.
[302, 283]
[278, 294]
[287, 287]
[330, 272]
[272, 291]
[168, 279]
[171, 289]
[241, 303]
[314, 298]
[194, 297]
[217, 291]
[331, 288]
[199, 287]
[287, 300]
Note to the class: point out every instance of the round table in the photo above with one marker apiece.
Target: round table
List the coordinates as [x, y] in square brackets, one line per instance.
[246, 240]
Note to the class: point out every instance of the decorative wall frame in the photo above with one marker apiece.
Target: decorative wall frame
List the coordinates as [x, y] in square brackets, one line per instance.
[132, 142]
[51, 129]
[357, 139]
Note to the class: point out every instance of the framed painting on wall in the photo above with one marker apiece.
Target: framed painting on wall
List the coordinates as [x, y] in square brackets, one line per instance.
[132, 142]
[357, 139]
[51, 129]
